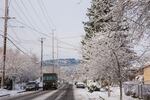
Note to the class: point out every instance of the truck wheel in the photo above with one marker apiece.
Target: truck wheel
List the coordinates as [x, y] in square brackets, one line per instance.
[56, 88]
[43, 89]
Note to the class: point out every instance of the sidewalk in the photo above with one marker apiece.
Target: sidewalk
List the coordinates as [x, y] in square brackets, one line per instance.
[4, 92]
[83, 94]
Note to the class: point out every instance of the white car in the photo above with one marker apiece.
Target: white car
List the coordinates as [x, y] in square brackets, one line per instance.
[93, 86]
[80, 85]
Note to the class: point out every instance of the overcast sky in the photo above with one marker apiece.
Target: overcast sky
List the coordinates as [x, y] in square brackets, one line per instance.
[37, 18]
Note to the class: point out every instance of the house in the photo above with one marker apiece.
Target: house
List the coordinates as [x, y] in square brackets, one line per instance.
[146, 70]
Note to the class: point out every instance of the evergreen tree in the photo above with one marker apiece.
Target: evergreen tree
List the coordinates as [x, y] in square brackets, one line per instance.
[106, 46]
[97, 17]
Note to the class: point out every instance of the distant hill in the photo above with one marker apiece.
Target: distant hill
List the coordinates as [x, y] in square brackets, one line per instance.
[62, 62]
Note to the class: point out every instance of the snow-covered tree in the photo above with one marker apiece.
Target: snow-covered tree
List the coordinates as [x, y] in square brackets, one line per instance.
[97, 17]
[21, 67]
[107, 45]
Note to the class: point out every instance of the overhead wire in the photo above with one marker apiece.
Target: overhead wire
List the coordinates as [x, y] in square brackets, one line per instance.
[18, 43]
[14, 32]
[17, 37]
[44, 13]
[28, 26]
[16, 11]
[17, 47]
[33, 42]
[71, 37]
[44, 6]
[66, 43]
[14, 45]
[48, 36]
[9, 3]
[26, 8]
[34, 29]
[22, 11]
[36, 12]
[10, 24]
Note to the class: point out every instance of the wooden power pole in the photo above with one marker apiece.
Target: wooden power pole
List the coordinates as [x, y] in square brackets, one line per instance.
[53, 56]
[42, 40]
[58, 67]
[5, 42]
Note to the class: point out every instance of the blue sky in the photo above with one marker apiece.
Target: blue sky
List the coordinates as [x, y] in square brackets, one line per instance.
[65, 16]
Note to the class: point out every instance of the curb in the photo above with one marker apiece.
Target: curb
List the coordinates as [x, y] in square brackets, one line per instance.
[21, 91]
[101, 98]
[4, 95]
[10, 94]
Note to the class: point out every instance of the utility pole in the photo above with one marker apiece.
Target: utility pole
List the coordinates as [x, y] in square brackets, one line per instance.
[53, 51]
[42, 40]
[58, 58]
[5, 42]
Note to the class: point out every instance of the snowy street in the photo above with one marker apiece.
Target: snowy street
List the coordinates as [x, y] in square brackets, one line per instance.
[63, 93]
[67, 92]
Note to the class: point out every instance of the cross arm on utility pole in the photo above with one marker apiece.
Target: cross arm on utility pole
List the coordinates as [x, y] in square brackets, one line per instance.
[8, 17]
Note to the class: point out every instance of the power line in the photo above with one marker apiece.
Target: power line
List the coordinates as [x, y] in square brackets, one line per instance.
[27, 18]
[28, 26]
[13, 31]
[18, 43]
[67, 43]
[44, 6]
[44, 13]
[17, 13]
[23, 11]
[48, 36]
[14, 44]
[70, 37]
[26, 8]
[36, 29]
[9, 3]
[33, 42]
[35, 11]
[33, 29]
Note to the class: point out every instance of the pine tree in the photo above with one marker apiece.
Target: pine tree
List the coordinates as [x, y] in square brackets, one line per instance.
[97, 22]
[106, 46]
[97, 17]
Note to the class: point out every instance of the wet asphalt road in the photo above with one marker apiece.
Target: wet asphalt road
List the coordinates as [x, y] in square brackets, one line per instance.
[64, 93]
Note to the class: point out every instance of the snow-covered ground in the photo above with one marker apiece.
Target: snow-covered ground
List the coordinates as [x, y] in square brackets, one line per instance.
[79, 94]
[83, 94]
[4, 92]
[18, 89]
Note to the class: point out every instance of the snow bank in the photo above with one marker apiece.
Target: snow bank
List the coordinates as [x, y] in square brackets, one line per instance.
[4, 92]
[83, 94]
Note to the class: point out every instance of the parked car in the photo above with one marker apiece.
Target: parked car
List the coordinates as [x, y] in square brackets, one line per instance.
[32, 86]
[80, 85]
[93, 86]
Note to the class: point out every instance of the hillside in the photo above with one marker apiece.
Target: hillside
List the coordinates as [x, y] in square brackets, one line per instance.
[62, 62]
